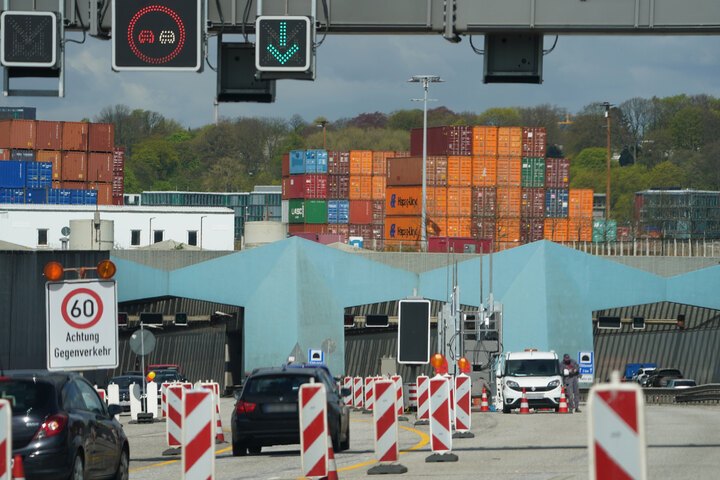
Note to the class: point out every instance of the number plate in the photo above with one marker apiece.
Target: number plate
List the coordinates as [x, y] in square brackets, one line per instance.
[280, 408]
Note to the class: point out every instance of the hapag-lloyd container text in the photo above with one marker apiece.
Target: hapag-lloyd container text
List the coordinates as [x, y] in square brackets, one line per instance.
[402, 228]
[403, 201]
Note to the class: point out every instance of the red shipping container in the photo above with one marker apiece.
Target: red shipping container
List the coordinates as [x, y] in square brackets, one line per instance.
[338, 187]
[532, 202]
[75, 136]
[53, 157]
[295, 228]
[358, 230]
[330, 238]
[4, 154]
[361, 212]
[118, 185]
[100, 167]
[73, 166]
[118, 158]
[285, 164]
[101, 137]
[557, 173]
[294, 187]
[117, 200]
[49, 135]
[458, 245]
[316, 186]
[447, 140]
[104, 192]
[339, 162]
[532, 230]
[378, 212]
[316, 228]
[20, 134]
[484, 202]
[533, 142]
[74, 185]
[339, 229]
[407, 171]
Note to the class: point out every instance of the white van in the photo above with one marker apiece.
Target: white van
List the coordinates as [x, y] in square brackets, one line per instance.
[537, 372]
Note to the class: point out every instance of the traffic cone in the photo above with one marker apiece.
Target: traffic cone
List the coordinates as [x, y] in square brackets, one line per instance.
[562, 407]
[18, 472]
[332, 467]
[524, 407]
[484, 403]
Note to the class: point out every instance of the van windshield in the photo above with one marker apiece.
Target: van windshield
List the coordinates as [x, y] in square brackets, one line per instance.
[531, 368]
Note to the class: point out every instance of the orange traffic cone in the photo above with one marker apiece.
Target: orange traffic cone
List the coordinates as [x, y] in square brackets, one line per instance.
[562, 407]
[484, 402]
[524, 407]
[332, 467]
[18, 472]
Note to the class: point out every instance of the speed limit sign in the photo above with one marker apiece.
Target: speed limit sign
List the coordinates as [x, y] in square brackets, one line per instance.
[81, 325]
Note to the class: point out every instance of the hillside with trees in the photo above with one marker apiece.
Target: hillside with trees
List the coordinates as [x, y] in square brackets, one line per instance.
[671, 142]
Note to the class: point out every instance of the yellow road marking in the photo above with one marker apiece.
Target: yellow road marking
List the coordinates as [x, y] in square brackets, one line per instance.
[171, 461]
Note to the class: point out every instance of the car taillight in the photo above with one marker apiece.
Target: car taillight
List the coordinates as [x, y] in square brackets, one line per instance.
[244, 407]
[51, 426]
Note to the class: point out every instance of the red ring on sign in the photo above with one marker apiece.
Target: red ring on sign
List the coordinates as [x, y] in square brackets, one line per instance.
[67, 298]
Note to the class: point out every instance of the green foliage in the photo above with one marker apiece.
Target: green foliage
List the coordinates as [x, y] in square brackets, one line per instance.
[592, 158]
[500, 117]
[405, 119]
[666, 175]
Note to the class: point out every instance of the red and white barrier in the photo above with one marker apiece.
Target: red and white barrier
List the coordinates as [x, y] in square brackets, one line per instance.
[423, 402]
[451, 383]
[198, 442]
[369, 397]
[385, 421]
[102, 393]
[399, 403]
[440, 428]
[358, 392]
[617, 431]
[312, 406]
[5, 438]
[163, 398]
[462, 402]
[214, 387]
[412, 395]
[173, 426]
[348, 383]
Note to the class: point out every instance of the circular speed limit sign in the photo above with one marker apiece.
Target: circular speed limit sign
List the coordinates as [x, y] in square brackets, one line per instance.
[82, 308]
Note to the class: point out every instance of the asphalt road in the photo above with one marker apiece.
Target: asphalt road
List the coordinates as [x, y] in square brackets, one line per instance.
[683, 442]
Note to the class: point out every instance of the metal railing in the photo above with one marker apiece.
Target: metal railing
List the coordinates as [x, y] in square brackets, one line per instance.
[701, 395]
[650, 247]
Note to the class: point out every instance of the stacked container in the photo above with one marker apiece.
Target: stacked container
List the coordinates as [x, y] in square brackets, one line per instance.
[580, 208]
[305, 191]
[118, 188]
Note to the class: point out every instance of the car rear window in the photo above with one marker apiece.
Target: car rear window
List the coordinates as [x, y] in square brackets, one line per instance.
[670, 372]
[27, 397]
[275, 385]
[529, 368]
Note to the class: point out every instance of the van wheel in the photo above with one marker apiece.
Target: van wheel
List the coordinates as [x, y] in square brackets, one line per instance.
[507, 409]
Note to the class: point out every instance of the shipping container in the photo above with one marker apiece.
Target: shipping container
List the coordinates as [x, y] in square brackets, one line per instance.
[378, 212]
[533, 143]
[403, 201]
[509, 171]
[293, 187]
[75, 136]
[437, 170]
[459, 203]
[311, 236]
[484, 171]
[360, 230]
[361, 162]
[532, 202]
[436, 225]
[485, 141]
[604, 230]
[459, 170]
[483, 227]
[330, 238]
[557, 173]
[339, 187]
[580, 229]
[22, 155]
[484, 202]
[508, 201]
[90, 197]
[360, 187]
[402, 153]
[117, 200]
[59, 196]
[296, 228]
[447, 140]
[100, 167]
[4, 154]
[101, 137]
[361, 212]
[316, 228]
[18, 134]
[52, 156]
[118, 185]
[37, 196]
[507, 229]
[339, 162]
[556, 203]
[406, 228]
[532, 230]
[378, 187]
[500, 246]
[510, 141]
[296, 211]
[73, 166]
[12, 174]
[297, 162]
[49, 135]
[316, 161]
[533, 172]
[118, 159]
[458, 226]
[556, 229]
[436, 200]
[38, 174]
[12, 195]
[407, 171]
[103, 192]
[581, 203]
[379, 162]
[285, 164]
[340, 229]
[316, 186]
[315, 211]
[459, 245]
[338, 211]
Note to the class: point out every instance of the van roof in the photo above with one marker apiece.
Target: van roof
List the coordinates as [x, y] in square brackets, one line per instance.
[531, 355]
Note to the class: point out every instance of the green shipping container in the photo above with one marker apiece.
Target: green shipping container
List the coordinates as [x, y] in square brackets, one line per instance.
[533, 172]
[296, 211]
[602, 234]
[316, 211]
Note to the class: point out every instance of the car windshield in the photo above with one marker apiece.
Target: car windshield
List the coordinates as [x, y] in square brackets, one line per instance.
[531, 368]
[27, 397]
[124, 382]
[161, 377]
[276, 385]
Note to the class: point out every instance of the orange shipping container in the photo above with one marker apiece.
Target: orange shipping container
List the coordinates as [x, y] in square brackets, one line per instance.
[49, 135]
[508, 201]
[406, 228]
[459, 201]
[500, 246]
[485, 140]
[101, 137]
[104, 192]
[436, 199]
[73, 166]
[360, 187]
[484, 171]
[75, 136]
[20, 134]
[507, 229]
[510, 141]
[580, 229]
[379, 162]
[361, 162]
[50, 156]
[100, 167]
[556, 229]
[437, 170]
[436, 226]
[378, 187]
[581, 203]
[458, 226]
[509, 171]
[403, 201]
[459, 170]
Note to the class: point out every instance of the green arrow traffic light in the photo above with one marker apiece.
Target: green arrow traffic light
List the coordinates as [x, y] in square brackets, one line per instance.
[283, 44]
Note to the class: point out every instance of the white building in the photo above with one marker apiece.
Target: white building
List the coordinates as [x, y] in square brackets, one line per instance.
[123, 227]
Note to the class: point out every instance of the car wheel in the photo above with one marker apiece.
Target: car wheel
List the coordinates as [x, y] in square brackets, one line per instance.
[239, 449]
[122, 472]
[255, 449]
[78, 468]
[345, 445]
[506, 409]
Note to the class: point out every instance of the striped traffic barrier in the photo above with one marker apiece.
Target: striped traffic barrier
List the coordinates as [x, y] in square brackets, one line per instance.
[616, 430]
[5, 438]
[151, 398]
[399, 400]
[198, 439]
[463, 405]
[347, 383]
[412, 395]
[313, 429]
[358, 393]
[214, 387]
[451, 383]
[369, 381]
[423, 402]
[440, 427]
[163, 399]
[173, 426]
[386, 429]
[101, 392]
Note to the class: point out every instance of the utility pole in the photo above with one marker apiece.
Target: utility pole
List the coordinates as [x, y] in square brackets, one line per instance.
[607, 168]
[323, 124]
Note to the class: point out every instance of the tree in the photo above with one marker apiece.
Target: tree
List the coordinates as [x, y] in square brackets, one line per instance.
[666, 175]
[686, 128]
[592, 159]
[153, 160]
[500, 117]
[546, 116]
[405, 119]
[369, 120]
[637, 115]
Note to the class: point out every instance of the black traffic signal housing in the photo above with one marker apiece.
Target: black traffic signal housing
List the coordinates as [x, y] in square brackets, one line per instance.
[181, 319]
[376, 321]
[122, 319]
[613, 323]
[349, 321]
[638, 323]
[681, 321]
[236, 75]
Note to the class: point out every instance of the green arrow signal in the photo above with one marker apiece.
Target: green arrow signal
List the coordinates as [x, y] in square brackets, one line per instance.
[282, 57]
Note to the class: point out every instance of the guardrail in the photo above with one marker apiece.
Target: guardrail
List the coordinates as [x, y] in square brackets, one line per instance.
[703, 394]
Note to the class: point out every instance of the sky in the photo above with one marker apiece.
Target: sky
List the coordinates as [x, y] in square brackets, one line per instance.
[368, 73]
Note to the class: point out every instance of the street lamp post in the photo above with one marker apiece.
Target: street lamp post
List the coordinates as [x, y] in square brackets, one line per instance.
[323, 124]
[425, 80]
[201, 230]
[151, 235]
[607, 170]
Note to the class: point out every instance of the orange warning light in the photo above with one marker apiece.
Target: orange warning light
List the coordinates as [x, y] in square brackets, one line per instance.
[53, 271]
[437, 360]
[151, 376]
[106, 269]
[464, 365]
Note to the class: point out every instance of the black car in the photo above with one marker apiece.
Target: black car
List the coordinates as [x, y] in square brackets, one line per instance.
[661, 376]
[266, 411]
[123, 382]
[62, 429]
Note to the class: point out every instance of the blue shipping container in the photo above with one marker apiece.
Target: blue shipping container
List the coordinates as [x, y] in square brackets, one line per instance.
[12, 174]
[36, 195]
[556, 202]
[22, 155]
[38, 174]
[310, 161]
[77, 196]
[90, 197]
[338, 211]
[12, 195]
[320, 160]
[297, 162]
[59, 196]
